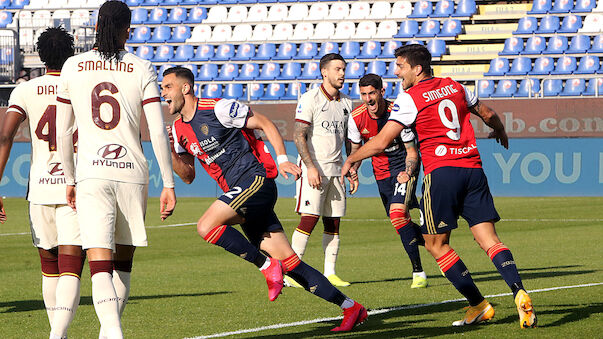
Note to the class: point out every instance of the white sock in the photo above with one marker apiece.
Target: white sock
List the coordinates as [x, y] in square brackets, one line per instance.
[266, 264]
[68, 298]
[330, 244]
[420, 274]
[49, 292]
[106, 305]
[299, 241]
[54, 336]
[121, 283]
[347, 303]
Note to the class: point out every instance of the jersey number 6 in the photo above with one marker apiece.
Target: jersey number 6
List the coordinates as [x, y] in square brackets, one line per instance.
[98, 100]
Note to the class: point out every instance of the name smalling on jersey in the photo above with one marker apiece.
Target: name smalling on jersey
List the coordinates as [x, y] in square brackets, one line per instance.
[439, 93]
[105, 65]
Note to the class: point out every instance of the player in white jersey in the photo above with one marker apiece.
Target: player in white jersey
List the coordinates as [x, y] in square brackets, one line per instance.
[320, 132]
[106, 91]
[52, 222]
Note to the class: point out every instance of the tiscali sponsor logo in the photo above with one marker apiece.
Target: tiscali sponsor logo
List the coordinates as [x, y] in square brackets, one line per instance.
[463, 150]
[440, 151]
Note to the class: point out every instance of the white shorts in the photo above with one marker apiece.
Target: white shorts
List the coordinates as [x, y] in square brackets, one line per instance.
[53, 225]
[111, 212]
[328, 201]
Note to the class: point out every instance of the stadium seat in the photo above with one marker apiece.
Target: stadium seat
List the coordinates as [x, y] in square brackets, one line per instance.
[589, 64]
[228, 71]
[318, 11]
[397, 90]
[41, 18]
[76, 4]
[534, 45]
[208, 72]
[80, 17]
[548, 24]
[400, 10]
[311, 71]
[25, 19]
[380, 10]
[327, 47]
[543, 66]
[513, 46]
[354, 70]
[584, 6]
[557, 45]
[270, 71]
[565, 65]
[370, 49]
[307, 50]
[388, 89]
[359, 10]
[303, 31]
[443, 9]
[520, 66]
[257, 13]
[339, 11]
[386, 29]
[249, 71]
[262, 32]
[485, 88]
[597, 46]
[573, 87]
[581, 43]
[528, 88]
[429, 28]
[177, 15]
[245, 51]
[212, 90]
[354, 91]
[408, 29]
[451, 27]
[203, 52]
[266, 51]
[345, 89]
[134, 3]
[540, 7]
[194, 69]
[298, 12]
[164, 53]
[277, 13]
[552, 87]
[526, 25]
[181, 34]
[286, 51]
[196, 15]
[350, 49]
[157, 15]
[436, 47]
[465, 8]
[498, 67]
[366, 30]
[282, 31]
[18, 4]
[224, 52]
[141, 34]
[145, 52]
[274, 91]
[222, 33]
[388, 49]
[256, 91]
[592, 24]
[570, 24]
[233, 91]
[293, 91]
[200, 33]
[562, 6]
[344, 30]
[237, 13]
[217, 14]
[422, 9]
[184, 53]
[153, 2]
[376, 67]
[391, 68]
[324, 31]
[595, 87]
[291, 70]
[505, 88]
[59, 17]
[242, 32]
[161, 34]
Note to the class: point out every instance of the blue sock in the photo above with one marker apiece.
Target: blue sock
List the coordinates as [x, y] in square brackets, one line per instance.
[458, 274]
[411, 246]
[313, 281]
[503, 261]
[234, 242]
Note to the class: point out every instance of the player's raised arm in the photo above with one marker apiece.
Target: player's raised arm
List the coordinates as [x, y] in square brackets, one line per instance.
[493, 121]
[10, 125]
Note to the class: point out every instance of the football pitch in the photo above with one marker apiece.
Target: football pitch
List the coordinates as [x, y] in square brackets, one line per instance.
[183, 287]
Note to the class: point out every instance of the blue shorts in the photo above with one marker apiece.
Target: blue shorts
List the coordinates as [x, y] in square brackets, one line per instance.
[393, 192]
[450, 192]
[254, 199]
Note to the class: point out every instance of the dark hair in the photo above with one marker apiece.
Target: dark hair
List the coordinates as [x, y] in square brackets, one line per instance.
[371, 80]
[324, 61]
[181, 72]
[55, 46]
[416, 54]
[113, 19]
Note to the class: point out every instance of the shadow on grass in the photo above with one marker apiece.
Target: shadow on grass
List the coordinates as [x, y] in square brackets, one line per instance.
[571, 313]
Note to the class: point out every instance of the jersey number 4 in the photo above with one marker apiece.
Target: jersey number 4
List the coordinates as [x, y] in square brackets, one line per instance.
[453, 124]
[49, 118]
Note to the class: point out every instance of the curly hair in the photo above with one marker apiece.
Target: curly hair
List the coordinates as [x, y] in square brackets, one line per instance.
[55, 45]
[113, 18]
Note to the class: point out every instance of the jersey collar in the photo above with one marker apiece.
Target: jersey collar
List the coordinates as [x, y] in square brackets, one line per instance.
[324, 91]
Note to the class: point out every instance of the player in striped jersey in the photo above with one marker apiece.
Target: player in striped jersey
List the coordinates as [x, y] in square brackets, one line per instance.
[52, 222]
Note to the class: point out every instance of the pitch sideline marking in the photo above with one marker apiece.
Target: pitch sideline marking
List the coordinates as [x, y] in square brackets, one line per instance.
[380, 311]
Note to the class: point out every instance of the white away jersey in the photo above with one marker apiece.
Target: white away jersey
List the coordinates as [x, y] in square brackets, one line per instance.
[328, 118]
[36, 99]
[107, 100]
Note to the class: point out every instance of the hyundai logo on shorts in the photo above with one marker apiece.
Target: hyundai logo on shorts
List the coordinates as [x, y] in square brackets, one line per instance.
[55, 169]
[112, 151]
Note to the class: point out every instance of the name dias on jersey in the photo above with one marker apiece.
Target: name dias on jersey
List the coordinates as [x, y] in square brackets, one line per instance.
[439, 93]
[105, 65]
[47, 90]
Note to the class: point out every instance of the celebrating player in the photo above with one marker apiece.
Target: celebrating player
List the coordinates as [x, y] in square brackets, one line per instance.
[220, 133]
[454, 183]
[106, 90]
[399, 161]
[52, 222]
[320, 127]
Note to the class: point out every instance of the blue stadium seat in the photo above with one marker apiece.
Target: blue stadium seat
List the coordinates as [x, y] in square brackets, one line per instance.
[197, 90]
[203, 53]
[270, 71]
[224, 52]
[408, 29]
[485, 88]
[145, 52]
[208, 72]
[565, 65]
[249, 71]
[6, 18]
[345, 89]
[6, 56]
[139, 16]
[161, 34]
[498, 67]
[573, 87]
[196, 15]
[291, 70]
[540, 7]
[193, 67]
[171, 2]
[141, 34]
[436, 47]
[181, 33]
[350, 49]
[505, 88]
[589, 64]
[354, 70]
[528, 88]
[293, 89]
[18, 4]
[443, 9]
[328, 47]
[397, 89]
[157, 15]
[534, 45]
[266, 51]
[228, 71]
[245, 52]
[415, 42]
[202, 2]
[548, 24]
[212, 90]
[465, 8]
[526, 25]
[451, 27]
[597, 46]
[391, 68]
[429, 28]
[543, 66]
[164, 53]
[274, 91]
[389, 48]
[562, 6]
[234, 91]
[307, 50]
[422, 9]
[370, 49]
[354, 92]
[184, 53]
[513, 46]
[4, 4]
[311, 71]
[133, 3]
[378, 67]
[286, 51]
[581, 44]
[177, 15]
[152, 2]
[520, 66]
[256, 91]
[388, 89]
[557, 45]
[592, 87]
[584, 6]
[552, 87]
[570, 24]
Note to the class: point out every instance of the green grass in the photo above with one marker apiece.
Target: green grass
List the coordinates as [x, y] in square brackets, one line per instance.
[183, 287]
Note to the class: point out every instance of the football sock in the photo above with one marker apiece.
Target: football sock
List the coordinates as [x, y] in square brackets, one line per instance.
[234, 242]
[458, 274]
[122, 270]
[300, 237]
[503, 261]
[105, 298]
[67, 293]
[50, 278]
[330, 244]
[407, 232]
[312, 280]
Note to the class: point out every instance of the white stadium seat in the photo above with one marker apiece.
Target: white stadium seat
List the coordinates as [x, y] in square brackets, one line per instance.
[37, 4]
[216, 14]
[75, 3]
[324, 30]
[303, 31]
[26, 36]
[298, 12]
[282, 31]
[262, 32]
[339, 11]
[366, 30]
[221, 33]
[278, 12]
[237, 14]
[61, 14]
[345, 30]
[257, 12]
[400, 10]
[242, 32]
[80, 17]
[25, 19]
[42, 18]
[380, 10]
[386, 29]
[593, 23]
[318, 11]
[201, 33]
[359, 10]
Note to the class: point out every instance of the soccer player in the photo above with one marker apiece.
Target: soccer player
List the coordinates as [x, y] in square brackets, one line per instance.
[220, 133]
[454, 184]
[106, 90]
[400, 158]
[320, 127]
[52, 222]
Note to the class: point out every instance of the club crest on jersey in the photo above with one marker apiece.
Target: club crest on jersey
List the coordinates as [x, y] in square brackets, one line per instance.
[345, 111]
[441, 151]
[112, 151]
[196, 149]
[234, 110]
[55, 168]
[204, 129]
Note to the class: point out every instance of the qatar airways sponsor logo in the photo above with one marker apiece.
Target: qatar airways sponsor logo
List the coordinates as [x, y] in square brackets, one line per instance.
[334, 126]
[442, 150]
[111, 152]
[210, 159]
[439, 93]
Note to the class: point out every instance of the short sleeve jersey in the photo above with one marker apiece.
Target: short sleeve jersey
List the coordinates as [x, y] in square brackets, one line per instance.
[217, 137]
[438, 109]
[362, 127]
[328, 118]
[107, 100]
[36, 100]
